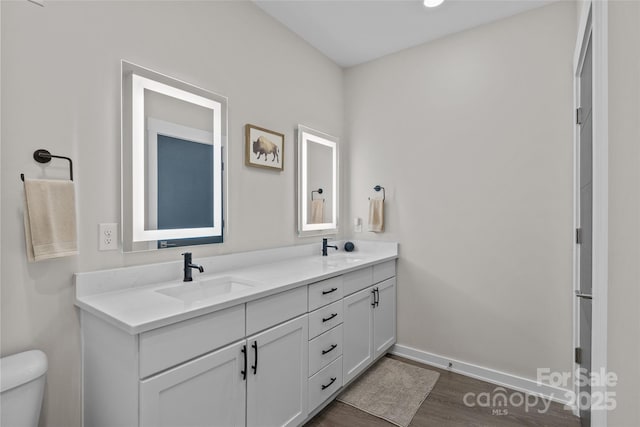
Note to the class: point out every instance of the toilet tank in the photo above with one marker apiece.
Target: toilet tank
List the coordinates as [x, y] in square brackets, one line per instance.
[22, 378]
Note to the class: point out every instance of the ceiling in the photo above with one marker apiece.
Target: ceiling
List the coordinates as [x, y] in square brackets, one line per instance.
[351, 32]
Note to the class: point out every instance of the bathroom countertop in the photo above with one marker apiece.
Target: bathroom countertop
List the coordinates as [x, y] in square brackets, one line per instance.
[139, 307]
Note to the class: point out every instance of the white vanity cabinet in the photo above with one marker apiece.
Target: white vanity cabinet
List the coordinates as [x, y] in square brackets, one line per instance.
[277, 375]
[212, 391]
[369, 321]
[203, 371]
[325, 339]
[269, 361]
[358, 333]
[384, 317]
[208, 391]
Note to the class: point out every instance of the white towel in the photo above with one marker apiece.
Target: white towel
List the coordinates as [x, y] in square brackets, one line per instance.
[317, 211]
[376, 215]
[50, 219]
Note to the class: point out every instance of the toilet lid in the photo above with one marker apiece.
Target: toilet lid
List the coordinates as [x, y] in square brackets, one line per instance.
[19, 369]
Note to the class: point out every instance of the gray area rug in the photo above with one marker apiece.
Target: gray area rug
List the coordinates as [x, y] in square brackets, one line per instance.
[391, 390]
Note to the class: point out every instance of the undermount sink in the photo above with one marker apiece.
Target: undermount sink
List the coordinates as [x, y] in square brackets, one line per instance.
[345, 258]
[340, 260]
[207, 288]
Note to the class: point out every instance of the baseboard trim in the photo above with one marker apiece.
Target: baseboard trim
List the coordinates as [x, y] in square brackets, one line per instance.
[492, 376]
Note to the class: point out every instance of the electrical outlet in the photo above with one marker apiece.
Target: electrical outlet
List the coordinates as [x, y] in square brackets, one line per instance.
[107, 237]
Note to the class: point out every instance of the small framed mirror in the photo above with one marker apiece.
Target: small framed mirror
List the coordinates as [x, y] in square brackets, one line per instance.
[173, 136]
[317, 182]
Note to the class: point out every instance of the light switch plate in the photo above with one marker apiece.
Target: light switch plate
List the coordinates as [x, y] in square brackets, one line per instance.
[108, 237]
[357, 225]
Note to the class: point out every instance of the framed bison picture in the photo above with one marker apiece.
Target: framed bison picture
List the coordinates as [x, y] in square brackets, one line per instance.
[264, 148]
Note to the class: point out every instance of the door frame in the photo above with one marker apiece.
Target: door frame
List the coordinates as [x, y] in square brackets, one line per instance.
[594, 24]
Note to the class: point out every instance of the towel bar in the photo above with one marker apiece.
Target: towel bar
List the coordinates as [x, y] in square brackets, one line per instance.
[44, 156]
[319, 191]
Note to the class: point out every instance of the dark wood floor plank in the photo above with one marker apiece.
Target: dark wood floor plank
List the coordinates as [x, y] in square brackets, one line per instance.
[445, 407]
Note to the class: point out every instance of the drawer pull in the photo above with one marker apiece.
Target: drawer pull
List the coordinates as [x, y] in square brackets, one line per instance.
[255, 351]
[326, 319]
[330, 350]
[244, 371]
[328, 292]
[333, 380]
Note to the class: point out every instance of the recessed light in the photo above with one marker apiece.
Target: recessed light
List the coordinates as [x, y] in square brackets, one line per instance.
[433, 3]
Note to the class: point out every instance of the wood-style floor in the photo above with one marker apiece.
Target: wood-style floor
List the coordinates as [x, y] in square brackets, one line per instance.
[444, 407]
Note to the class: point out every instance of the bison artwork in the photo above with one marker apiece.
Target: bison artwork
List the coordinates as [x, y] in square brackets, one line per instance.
[263, 146]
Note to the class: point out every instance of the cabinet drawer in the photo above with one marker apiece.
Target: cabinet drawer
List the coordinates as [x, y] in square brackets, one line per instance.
[168, 346]
[325, 292]
[325, 318]
[384, 271]
[269, 311]
[356, 280]
[324, 349]
[323, 384]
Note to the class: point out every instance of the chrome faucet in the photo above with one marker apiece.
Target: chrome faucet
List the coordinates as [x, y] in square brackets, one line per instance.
[325, 246]
[188, 265]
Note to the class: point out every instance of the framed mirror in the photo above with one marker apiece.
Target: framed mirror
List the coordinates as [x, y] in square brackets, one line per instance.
[317, 182]
[173, 138]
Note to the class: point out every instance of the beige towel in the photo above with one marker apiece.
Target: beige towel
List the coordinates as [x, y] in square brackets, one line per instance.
[50, 219]
[317, 211]
[376, 215]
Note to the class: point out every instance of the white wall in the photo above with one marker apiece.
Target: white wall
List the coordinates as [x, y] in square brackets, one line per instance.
[472, 137]
[61, 91]
[624, 210]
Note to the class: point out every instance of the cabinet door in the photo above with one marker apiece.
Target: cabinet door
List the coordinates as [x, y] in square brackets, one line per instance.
[357, 333]
[278, 372]
[384, 317]
[208, 391]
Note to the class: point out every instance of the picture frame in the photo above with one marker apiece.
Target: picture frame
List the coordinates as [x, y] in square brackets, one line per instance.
[264, 148]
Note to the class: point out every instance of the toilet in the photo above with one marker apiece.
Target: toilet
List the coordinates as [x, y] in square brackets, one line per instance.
[22, 379]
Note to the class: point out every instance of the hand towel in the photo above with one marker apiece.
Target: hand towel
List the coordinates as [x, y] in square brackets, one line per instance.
[376, 215]
[50, 219]
[317, 211]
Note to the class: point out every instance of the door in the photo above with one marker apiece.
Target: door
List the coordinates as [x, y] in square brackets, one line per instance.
[208, 391]
[384, 317]
[358, 333]
[585, 233]
[278, 373]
